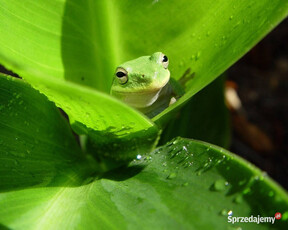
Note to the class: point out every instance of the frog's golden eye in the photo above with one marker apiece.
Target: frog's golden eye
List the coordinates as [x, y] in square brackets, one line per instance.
[121, 75]
[165, 61]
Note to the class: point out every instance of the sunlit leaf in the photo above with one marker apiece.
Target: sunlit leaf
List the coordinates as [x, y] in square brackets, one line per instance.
[183, 185]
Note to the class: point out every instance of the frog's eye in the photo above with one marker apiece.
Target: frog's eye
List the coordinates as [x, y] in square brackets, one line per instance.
[165, 61]
[121, 75]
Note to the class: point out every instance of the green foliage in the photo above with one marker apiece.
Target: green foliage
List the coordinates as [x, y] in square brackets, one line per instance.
[33, 151]
[68, 51]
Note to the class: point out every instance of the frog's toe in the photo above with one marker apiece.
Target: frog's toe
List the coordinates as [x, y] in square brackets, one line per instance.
[172, 101]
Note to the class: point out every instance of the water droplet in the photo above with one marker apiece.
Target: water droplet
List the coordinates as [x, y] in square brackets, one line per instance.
[236, 228]
[236, 25]
[208, 33]
[17, 154]
[184, 148]
[238, 199]
[189, 164]
[264, 174]
[285, 215]
[223, 212]
[138, 157]
[231, 17]
[271, 194]
[185, 184]
[246, 191]
[220, 185]
[241, 182]
[198, 55]
[230, 213]
[172, 175]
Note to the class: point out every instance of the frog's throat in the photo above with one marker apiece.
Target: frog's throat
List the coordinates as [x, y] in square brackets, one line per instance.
[140, 99]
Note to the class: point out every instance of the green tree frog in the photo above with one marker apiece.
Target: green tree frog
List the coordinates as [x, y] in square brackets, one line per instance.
[144, 83]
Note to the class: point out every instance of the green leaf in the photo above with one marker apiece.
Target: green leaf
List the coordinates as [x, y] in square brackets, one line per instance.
[40, 63]
[117, 130]
[83, 41]
[183, 185]
[66, 39]
[36, 142]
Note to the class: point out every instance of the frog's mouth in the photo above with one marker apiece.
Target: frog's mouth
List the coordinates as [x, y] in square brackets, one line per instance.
[141, 99]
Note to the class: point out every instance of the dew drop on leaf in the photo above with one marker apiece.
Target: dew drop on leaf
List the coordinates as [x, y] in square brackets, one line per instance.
[238, 199]
[223, 212]
[285, 215]
[185, 184]
[220, 185]
[172, 175]
[197, 56]
[246, 191]
[236, 228]
[271, 194]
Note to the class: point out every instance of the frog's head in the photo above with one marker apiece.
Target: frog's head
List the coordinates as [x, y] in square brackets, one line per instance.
[138, 82]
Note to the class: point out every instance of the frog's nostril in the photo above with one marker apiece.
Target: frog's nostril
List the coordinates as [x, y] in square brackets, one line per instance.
[143, 75]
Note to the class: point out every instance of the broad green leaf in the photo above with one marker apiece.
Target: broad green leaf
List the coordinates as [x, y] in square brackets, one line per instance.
[117, 130]
[183, 185]
[36, 142]
[40, 63]
[65, 39]
[205, 117]
[83, 41]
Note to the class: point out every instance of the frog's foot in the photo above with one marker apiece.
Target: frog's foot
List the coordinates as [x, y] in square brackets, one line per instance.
[172, 101]
[187, 76]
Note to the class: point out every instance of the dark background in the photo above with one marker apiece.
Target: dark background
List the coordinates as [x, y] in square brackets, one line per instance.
[261, 78]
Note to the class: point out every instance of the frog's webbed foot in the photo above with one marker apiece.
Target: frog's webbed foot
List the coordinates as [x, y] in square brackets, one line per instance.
[187, 76]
